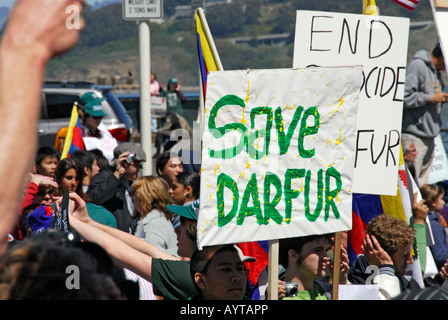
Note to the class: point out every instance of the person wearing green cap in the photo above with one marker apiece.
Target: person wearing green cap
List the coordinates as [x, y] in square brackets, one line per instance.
[174, 97]
[91, 113]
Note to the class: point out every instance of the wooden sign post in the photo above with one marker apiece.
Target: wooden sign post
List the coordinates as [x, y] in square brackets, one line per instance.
[273, 270]
[336, 265]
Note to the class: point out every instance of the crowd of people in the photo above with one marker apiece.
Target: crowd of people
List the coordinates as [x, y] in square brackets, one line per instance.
[134, 237]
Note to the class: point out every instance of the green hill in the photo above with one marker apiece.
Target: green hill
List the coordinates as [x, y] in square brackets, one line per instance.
[109, 45]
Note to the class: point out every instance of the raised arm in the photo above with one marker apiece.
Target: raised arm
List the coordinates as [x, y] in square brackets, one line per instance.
[384, 275]
[132, 241]
[36, 31]
[127, 256]
[133, 252]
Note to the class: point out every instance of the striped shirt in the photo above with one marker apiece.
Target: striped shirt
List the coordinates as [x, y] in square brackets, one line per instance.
[145, 287]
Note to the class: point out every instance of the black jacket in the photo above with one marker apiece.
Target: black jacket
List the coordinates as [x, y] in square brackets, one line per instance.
[358, 274]
[108, 191]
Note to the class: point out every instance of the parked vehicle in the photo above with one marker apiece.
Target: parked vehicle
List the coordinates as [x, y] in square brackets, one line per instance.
[58, 99]
[131, 101]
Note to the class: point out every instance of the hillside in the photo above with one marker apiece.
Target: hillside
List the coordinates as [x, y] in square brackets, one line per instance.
[109, 45]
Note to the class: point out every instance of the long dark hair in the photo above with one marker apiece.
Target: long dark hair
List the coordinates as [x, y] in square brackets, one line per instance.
[190, 179]
[63, 166]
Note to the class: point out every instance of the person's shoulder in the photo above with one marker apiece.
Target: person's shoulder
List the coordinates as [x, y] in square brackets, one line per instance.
[101, 214]
[105, 173]
[433, 217]
[323, 285]
[97, 208]
[173, 261]
[161, 264]
[155, 216]
[418, 64]
[195, 297]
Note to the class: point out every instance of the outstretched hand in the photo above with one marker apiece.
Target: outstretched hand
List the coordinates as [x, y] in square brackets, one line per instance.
[49, 33]
[419, 210]
[121, 163]
[42, 180]
[77, 208]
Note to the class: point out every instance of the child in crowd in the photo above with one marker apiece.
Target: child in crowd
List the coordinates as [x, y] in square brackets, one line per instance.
[433, 195]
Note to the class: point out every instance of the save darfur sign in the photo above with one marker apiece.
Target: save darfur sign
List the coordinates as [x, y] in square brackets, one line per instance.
[277, 157]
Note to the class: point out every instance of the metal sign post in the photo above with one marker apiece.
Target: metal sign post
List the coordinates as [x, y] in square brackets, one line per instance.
[145, 95]
[142, 11]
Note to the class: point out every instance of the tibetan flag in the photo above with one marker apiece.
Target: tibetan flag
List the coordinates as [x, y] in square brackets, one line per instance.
[367, 206]
[257, 277]
[408, 4]
[370, 8]
[364, 208]
[400, 206]
[74, 139]
[208, 57]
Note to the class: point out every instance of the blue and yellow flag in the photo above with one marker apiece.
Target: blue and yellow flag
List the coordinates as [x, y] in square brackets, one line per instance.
[208, 57]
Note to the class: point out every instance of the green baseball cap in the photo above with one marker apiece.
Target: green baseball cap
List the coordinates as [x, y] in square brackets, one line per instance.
[191, 211]
[92, 104]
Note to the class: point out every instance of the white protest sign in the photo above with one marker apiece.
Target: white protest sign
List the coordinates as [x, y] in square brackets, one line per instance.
[277, 157]
[440, 14]
[359, 292]
[158, 106]
[380, 44]
[106, 144]
[439, 171]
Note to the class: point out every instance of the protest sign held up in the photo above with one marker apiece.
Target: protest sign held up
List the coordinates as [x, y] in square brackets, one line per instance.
[277, 157]
[61, 222]
[380, 44]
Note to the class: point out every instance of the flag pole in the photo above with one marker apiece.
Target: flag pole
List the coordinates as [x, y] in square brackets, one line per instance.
[200, 119]
[69, 137]
[273, 270]
[207, 33]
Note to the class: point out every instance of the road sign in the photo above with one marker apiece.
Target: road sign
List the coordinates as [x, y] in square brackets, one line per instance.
[142, 9]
